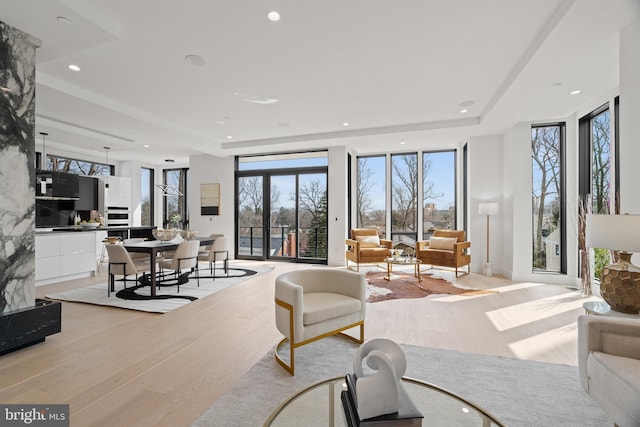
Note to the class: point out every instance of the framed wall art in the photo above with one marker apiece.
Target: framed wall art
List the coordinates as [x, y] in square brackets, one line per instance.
[210, 199]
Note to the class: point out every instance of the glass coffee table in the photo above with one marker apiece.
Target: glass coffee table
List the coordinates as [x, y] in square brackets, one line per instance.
[403, 261]
[320, 405]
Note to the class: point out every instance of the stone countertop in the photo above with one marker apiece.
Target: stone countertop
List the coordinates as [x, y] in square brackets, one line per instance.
[74, 229]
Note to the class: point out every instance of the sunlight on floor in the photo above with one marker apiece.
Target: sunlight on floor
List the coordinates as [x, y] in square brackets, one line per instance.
[552, 340]
[534, 310]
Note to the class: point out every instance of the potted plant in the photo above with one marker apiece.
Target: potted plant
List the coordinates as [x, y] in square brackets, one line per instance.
[174, 220]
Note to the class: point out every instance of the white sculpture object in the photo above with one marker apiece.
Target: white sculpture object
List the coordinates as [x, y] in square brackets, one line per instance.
[377, 392]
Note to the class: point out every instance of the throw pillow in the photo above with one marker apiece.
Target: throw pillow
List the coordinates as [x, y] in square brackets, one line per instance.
[368, 241]
[445, 243]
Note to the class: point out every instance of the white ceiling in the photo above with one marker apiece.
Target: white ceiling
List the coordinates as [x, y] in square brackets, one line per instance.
[393, 70]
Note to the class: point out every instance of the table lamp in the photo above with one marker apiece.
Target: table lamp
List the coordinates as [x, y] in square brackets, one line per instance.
[620, 282]
[487, 208]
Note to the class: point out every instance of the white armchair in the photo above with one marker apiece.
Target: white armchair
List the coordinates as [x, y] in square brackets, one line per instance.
[609, 364]
[315, 303]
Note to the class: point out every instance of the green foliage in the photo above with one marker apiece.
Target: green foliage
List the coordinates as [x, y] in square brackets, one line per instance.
[602, 258]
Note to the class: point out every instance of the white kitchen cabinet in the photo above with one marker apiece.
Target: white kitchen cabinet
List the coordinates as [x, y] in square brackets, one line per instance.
[60, 255]
[119, 192]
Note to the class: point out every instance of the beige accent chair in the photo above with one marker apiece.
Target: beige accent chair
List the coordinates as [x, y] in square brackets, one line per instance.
[121, 264]
[365, 246]
[315, 303]
[609, 365]
[218, 251]
[184, 258]
[445, 248]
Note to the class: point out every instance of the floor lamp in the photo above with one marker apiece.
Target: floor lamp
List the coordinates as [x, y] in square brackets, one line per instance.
[488, 209]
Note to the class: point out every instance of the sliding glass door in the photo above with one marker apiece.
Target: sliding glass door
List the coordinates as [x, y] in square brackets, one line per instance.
[282, 213]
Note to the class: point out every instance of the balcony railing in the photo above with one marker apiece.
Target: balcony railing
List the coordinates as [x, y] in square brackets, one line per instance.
[312, 242]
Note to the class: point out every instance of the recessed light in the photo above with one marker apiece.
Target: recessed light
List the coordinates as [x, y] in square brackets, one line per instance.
[64, 19]
[469, 103]
[345, 124]
[73, 67]
[464, 110]
[273, 16]
[229, 137]
[220, 122]
[146, 145]
[575, 92]
[556, 84]
[196, 60]
[283, 125]
[402, 142]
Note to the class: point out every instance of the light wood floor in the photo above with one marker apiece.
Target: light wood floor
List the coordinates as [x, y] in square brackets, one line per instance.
[118, 367]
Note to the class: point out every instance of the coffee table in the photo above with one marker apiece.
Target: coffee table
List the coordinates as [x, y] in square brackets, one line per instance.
[320, 405]
[403, 261]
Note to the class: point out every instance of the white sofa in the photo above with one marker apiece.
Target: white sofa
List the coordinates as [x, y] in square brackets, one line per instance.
[609, 364]
[315, 303]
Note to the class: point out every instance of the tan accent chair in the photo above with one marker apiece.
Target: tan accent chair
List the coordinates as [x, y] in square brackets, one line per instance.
[365, 246]
[315, 303]
[443, 251]
[609, 365]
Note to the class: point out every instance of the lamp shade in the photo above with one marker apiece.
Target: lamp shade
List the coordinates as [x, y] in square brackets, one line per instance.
[487, 208]
[617, 232]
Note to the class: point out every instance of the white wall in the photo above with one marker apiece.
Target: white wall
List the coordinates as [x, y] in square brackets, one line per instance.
[629, 116]
[485, 185]
[337, 205]
[206, 169]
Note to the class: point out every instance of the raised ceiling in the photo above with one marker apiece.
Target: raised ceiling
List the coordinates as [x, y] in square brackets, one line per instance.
[391, 70]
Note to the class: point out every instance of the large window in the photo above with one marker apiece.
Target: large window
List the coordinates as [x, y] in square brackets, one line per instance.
[175, 212]
[547, 154]
[146, 196]
[404, 197]
[438, 192]
[372, 193]
[422, 199]
[281, 206]
[598, 181]
[78, 167]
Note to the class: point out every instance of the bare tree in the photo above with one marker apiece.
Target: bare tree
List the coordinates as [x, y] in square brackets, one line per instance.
[545, 149]
[312, 198]
[428, 187]
[404, 192]
[600, 168]
[365, 185]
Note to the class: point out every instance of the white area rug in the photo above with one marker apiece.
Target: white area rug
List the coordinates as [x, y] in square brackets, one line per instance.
[97, 294]
[517, 392]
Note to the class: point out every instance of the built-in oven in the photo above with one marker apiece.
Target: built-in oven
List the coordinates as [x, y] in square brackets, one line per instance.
[118, 216]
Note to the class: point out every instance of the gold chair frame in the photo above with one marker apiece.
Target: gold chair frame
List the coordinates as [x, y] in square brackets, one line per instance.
[293, 345]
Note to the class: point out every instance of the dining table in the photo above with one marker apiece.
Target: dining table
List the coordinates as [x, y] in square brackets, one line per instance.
[154, 247]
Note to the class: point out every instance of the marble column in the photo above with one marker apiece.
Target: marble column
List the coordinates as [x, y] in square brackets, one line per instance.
[17, 164]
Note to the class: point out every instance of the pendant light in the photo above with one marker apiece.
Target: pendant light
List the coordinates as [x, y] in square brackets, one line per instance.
[169, 190]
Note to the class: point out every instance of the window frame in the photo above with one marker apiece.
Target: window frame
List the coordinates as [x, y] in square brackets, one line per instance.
[562, 191]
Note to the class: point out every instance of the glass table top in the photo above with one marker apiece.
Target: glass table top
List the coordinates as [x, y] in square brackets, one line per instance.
[320, 405]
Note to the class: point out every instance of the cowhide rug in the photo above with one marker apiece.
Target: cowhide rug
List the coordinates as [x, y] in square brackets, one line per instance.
[405, 285]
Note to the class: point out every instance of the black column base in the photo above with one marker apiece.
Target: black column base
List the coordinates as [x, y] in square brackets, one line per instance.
[28, 326]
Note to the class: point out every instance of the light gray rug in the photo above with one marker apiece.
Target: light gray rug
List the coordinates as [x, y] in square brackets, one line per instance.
[516, 392]
[97, 294]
